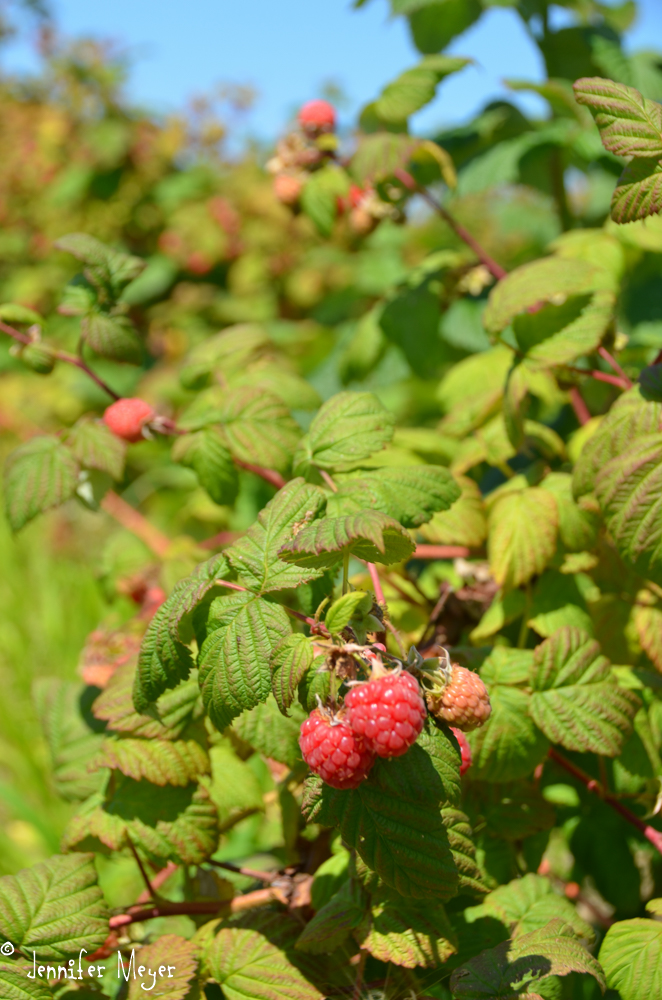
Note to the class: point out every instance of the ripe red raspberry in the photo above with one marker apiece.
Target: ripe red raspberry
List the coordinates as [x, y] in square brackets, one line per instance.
[127, 417]
[388, 712]
[317, 116]
[463, 701]
[465, 750]
[332, 750]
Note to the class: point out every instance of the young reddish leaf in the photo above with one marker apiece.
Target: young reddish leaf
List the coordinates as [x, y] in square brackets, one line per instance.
[179, 957]
[630, 125]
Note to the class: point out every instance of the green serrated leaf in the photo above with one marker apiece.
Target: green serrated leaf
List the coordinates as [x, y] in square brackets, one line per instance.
[55, 908]
[528, 904]
[630, 418]
[368, 535]
[112, 337]
[638, 193]
[502, 611]
[166, 824]
[394, 930]
[234, 658]
[464, 524]
[331, 925]
[629, 490]
[409, 495]
[169, 716]
[235, 788]
[393, 822]
[463, 849]
[104, 266]
[415, 88]
[518, 965]
[509, 745]
[630, 125]
[256, 425]
[576, 701]
[558, 335]
[205, 453]
[291, 659]
[270, 733]
[96, 447]
[347, 429]
[163, 762]
[522, 535]
[179, 957]
[631, 955]
[15, 985]
[73, 745]
[39, 475]
[256, 555]
[578, 525]
[534, 283]
[255, 960]
[165, 658]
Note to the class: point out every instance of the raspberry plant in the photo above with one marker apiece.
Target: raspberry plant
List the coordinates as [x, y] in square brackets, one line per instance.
[396, 725]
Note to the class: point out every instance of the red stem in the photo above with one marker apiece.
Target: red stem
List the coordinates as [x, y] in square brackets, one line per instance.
[70, 359]
[579, 406]
[495, 269]
[376, 583]
[651, 834]
[269, 475]
[222, 538]
[164, 908]
[441, 552]
[622, 383]
[604, 353]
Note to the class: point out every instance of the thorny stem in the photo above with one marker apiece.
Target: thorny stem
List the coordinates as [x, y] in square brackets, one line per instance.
[164, 908]
[495, 269]
[652, 835]
[376, 582]
[157, 881]
[269, 475]
[70, 359]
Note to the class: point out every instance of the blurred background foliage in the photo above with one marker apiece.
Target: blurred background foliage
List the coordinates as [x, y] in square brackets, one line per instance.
[220, 251]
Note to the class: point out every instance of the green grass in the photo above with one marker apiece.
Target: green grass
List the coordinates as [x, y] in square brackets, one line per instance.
[50, 599]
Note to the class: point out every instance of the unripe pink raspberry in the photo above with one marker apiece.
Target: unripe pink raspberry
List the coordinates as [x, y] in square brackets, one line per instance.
[465, 750]
[388, 712]
[462, 700]
[317, 116]
[127, 417]
[332, 750]
[287, 188]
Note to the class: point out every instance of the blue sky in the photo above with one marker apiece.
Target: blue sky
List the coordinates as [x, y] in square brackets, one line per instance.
[289, 49]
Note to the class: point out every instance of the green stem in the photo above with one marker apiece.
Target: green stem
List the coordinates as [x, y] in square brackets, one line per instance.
[345, 570]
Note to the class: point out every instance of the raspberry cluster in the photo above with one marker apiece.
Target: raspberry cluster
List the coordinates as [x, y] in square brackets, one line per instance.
[381, 717]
